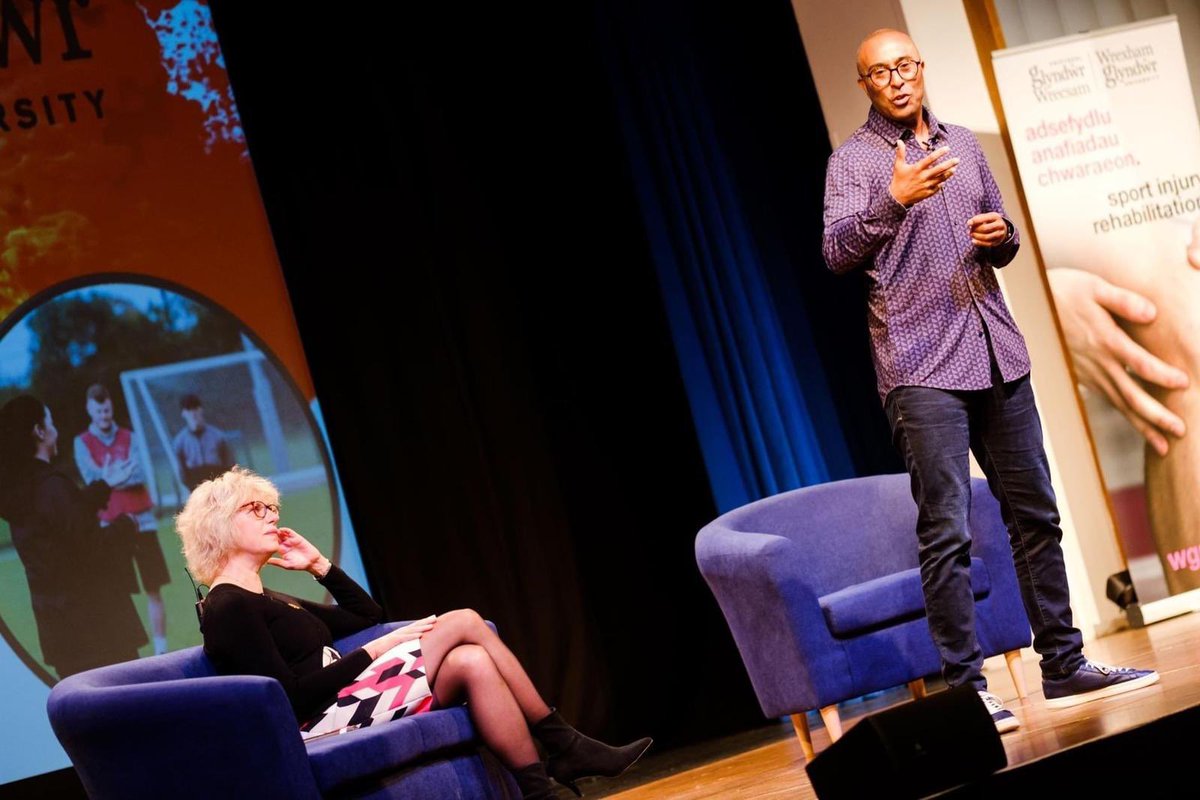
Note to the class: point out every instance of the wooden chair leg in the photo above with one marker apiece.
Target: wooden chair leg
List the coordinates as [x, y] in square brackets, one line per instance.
[917, 688]
[1013, 657]
[800, 723]
[833, 723]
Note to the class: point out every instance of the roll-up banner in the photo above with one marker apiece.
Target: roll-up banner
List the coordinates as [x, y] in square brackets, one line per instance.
[1107, 143]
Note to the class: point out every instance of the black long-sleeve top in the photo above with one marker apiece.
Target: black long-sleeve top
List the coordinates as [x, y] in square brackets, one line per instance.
[83, 615]
[283, 637]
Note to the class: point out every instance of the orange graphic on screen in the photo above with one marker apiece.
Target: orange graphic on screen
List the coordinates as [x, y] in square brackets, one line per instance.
[121, 151]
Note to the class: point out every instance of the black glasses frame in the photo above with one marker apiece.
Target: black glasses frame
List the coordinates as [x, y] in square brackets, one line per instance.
[898, 69]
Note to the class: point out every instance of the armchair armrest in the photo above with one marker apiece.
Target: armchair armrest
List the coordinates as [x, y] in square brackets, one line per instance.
[759, 582]
[240, 728]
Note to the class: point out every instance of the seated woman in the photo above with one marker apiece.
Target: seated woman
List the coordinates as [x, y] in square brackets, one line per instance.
[230, 531]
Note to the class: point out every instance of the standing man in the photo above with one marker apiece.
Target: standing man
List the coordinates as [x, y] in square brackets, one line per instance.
[105, 443]
[911, 199]
[201, 450]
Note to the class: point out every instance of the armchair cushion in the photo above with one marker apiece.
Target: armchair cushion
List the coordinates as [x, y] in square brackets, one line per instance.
[349, 757]
[887, 601]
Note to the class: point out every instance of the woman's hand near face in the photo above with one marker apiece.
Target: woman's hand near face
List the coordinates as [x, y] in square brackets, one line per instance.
[298, 553]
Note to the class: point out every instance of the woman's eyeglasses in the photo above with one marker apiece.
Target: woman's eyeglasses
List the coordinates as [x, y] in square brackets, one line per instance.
[259, 509]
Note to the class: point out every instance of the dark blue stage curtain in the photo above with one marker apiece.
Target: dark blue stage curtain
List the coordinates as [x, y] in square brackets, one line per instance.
[760, 400]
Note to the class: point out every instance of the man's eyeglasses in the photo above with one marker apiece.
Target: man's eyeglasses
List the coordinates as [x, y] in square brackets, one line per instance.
[881, 76]
[259, 509]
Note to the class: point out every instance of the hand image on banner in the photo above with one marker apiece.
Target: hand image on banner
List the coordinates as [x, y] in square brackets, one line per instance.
[1105, 133]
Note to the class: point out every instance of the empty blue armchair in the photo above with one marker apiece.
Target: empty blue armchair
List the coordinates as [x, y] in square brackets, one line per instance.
[822, 592]
[169, 726]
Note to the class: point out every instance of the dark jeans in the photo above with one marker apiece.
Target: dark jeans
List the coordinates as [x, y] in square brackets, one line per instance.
[933, 428]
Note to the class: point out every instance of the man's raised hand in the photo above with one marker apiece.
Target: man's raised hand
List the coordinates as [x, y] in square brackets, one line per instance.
[912, 183]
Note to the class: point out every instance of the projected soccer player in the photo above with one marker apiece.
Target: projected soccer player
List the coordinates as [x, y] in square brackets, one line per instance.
[84, 618]
[230, 531]
[910, 199]
[106, 443]
[201, 450]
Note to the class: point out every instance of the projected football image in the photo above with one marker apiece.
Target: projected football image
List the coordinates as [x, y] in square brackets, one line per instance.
[137, 391]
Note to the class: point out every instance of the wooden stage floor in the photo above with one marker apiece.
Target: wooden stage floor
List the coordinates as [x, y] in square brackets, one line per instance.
[768, 763]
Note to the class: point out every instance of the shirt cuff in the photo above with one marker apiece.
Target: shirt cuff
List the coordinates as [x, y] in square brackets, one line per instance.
[888, 209]
[1001, 253]
[1012, 230]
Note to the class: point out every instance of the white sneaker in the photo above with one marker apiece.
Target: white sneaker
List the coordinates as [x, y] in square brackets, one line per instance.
[1001, 716]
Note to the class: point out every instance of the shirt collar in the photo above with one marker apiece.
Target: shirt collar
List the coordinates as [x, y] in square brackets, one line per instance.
[107, 438]
[891, 131]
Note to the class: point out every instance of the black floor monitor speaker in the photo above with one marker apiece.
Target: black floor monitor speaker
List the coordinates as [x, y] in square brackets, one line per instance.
[912, 750]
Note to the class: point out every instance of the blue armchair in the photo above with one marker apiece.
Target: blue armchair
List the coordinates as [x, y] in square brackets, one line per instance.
[822, 592]
[169, 726]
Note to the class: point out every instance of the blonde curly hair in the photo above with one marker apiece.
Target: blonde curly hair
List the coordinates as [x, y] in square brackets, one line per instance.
[206, 522]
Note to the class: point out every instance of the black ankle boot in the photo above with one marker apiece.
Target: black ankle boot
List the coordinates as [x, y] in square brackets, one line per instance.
[534, 782]
[571, 755]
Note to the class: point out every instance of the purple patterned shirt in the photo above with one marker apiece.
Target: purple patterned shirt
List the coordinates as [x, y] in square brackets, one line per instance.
[933, 293]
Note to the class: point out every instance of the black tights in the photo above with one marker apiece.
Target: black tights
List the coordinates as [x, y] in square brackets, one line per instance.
[466, 660]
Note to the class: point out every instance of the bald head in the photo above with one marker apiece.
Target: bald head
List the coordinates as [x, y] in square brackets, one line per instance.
[868, 48]
[900, 93]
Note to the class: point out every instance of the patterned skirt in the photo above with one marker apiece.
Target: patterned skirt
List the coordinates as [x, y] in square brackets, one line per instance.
[394, 686]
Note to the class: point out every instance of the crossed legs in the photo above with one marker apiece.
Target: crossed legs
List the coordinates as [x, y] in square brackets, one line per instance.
[466, 660]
